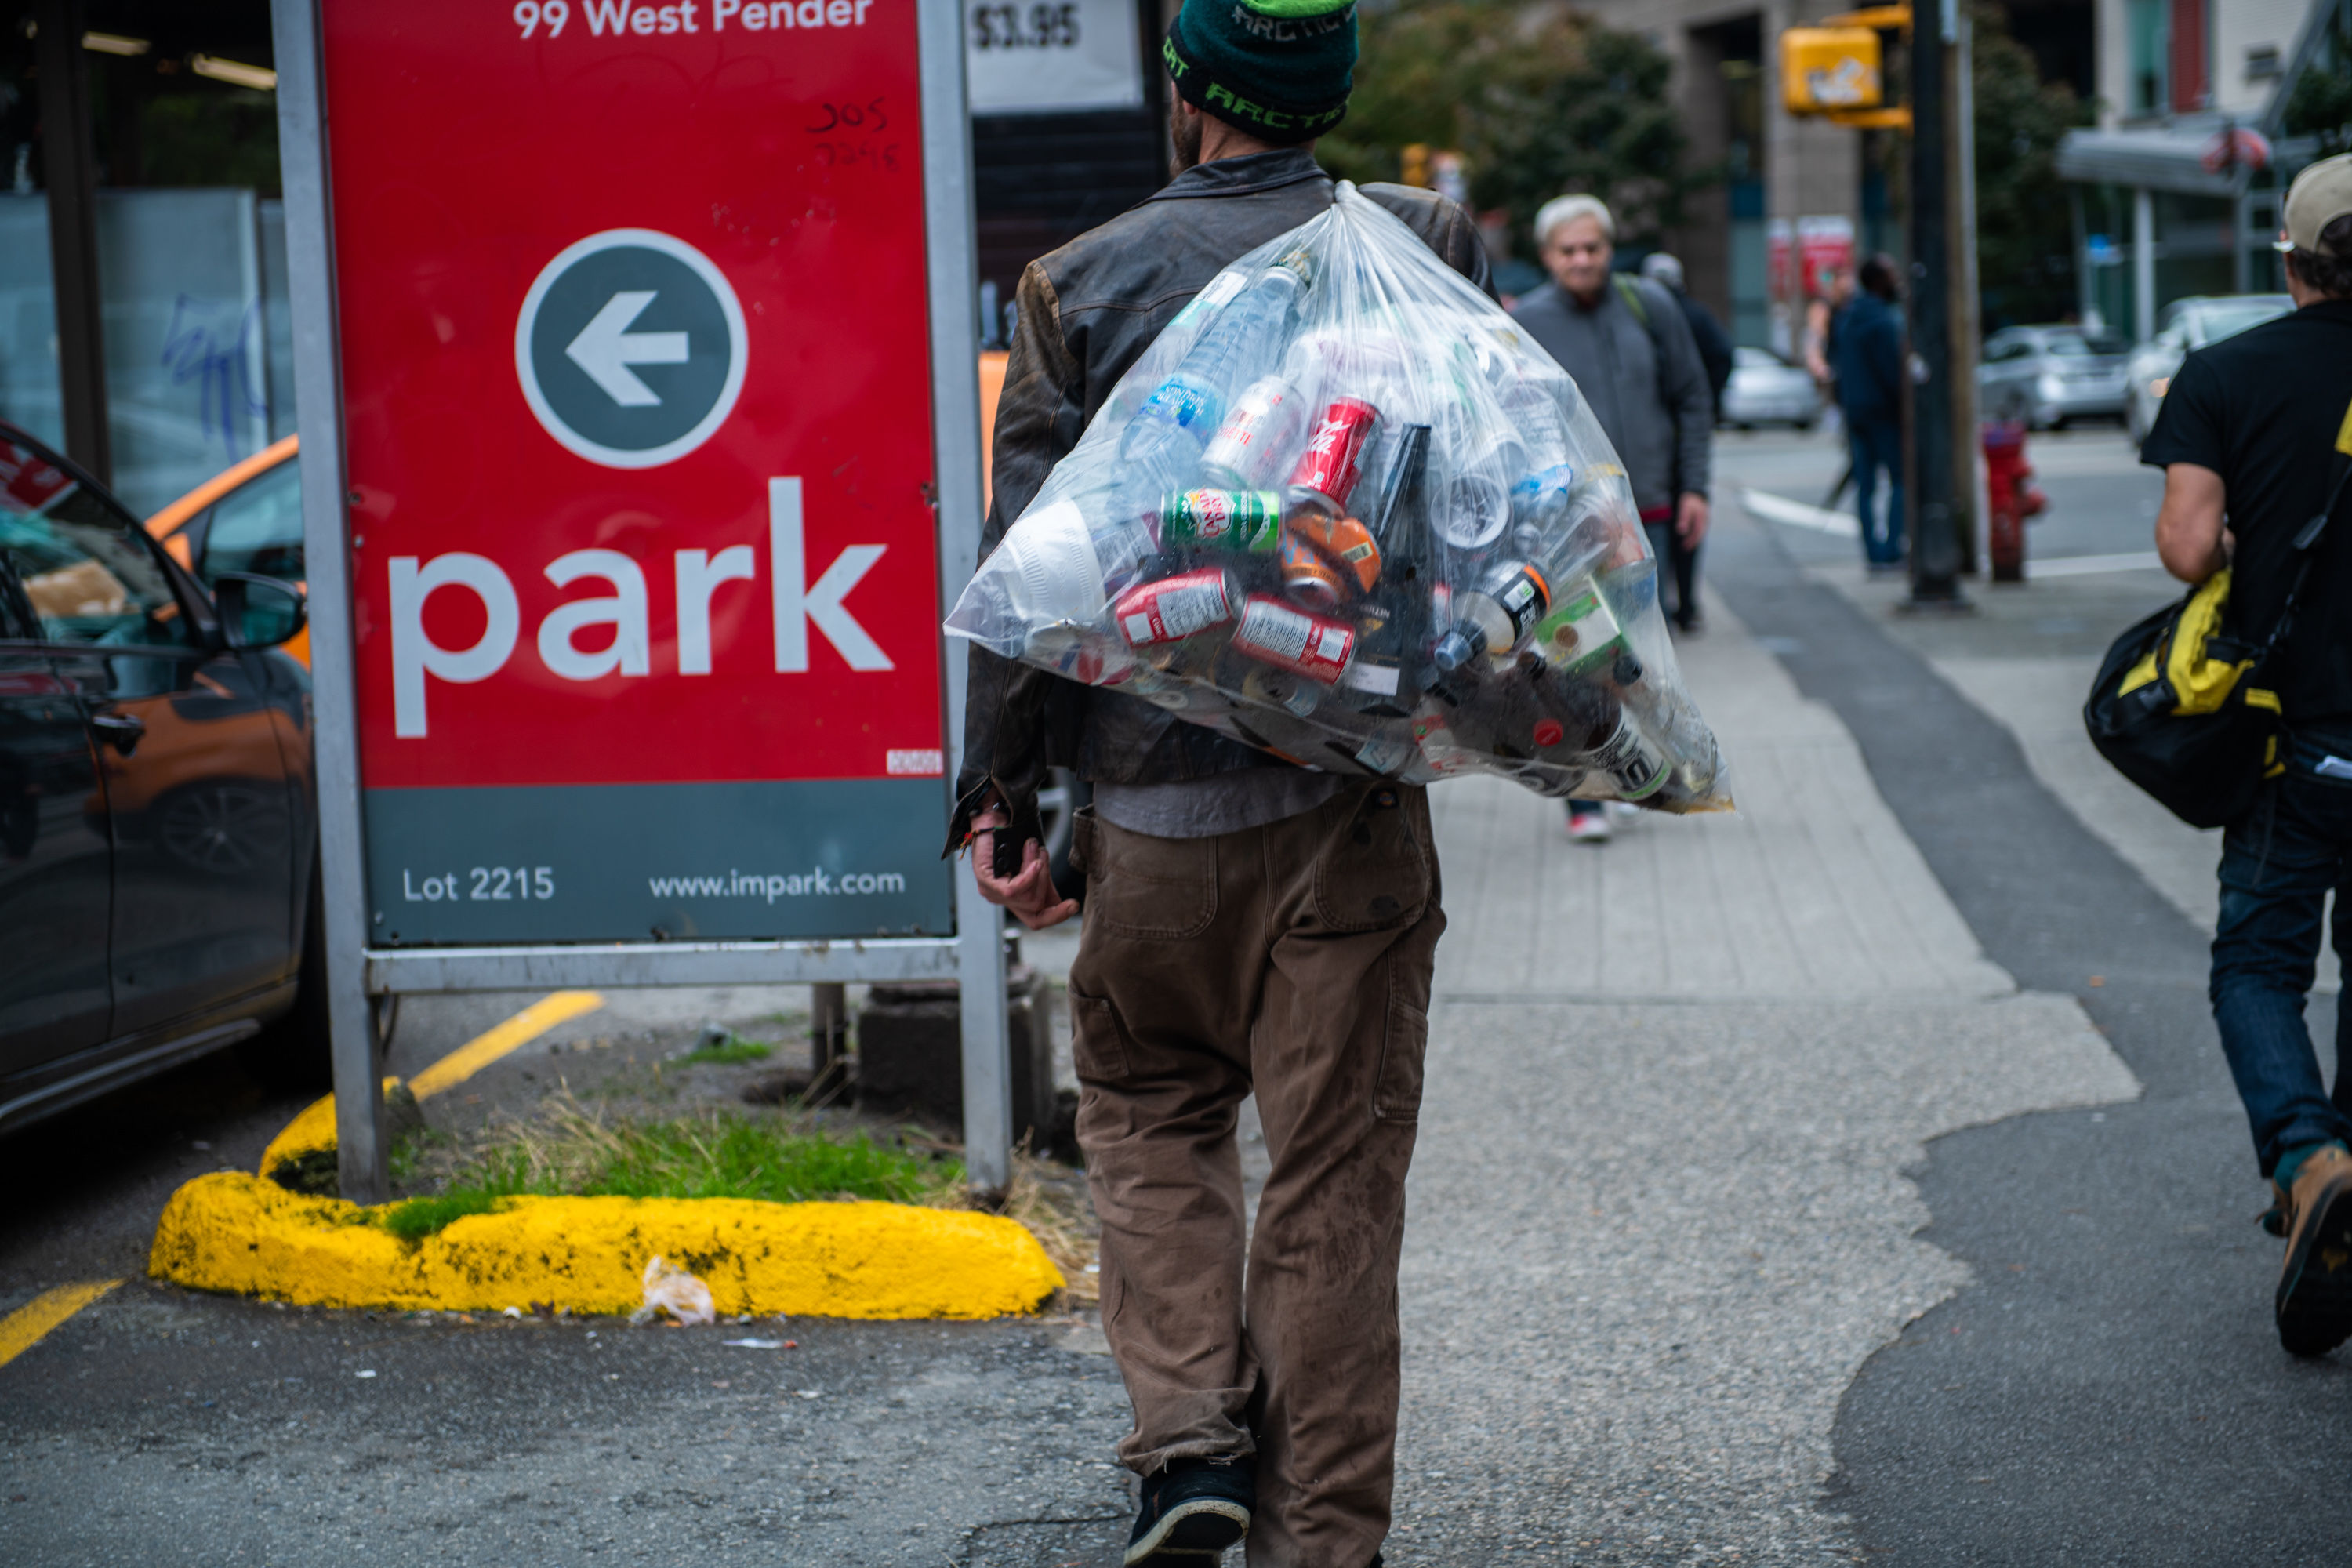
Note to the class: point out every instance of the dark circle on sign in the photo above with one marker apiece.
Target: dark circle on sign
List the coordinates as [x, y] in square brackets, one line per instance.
[682, 302]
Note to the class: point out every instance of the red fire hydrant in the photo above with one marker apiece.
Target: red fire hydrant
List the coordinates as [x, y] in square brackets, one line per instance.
[2013, 495]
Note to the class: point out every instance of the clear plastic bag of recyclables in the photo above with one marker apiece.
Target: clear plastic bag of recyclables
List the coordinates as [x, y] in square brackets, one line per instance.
[1344, 510]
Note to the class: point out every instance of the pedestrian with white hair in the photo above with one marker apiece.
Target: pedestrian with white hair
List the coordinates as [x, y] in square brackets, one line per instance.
[1629, 347]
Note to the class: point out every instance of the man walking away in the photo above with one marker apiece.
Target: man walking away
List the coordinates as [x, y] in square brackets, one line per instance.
[1867, 356]
[2254, 439]
[1250, 925]
[1627, 345]
[1713, 343]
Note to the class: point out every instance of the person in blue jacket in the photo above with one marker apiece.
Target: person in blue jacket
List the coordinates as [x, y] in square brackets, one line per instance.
[1866, 352]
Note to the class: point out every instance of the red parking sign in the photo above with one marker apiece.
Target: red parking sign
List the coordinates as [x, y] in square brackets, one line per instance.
[637, 394]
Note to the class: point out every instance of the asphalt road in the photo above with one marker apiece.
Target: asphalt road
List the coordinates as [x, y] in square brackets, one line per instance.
[2106, 1391]
[162, 1426]
[2110, 1389]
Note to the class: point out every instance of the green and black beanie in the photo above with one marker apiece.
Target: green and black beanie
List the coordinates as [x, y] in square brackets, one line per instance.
[1279, 70]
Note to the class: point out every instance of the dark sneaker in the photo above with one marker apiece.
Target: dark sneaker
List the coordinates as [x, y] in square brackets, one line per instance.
[1193, 1510]
[2314, 1292]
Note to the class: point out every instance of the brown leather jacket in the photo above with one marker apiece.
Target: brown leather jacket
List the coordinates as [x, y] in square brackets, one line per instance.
[1088, 311]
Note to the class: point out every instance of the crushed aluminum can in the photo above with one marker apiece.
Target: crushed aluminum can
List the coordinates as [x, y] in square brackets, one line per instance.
[1174, 608]
[1289, 638]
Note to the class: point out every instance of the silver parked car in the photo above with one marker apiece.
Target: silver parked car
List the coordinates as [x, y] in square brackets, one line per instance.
[2186, 325]
[2048, 376]
[1766, 389]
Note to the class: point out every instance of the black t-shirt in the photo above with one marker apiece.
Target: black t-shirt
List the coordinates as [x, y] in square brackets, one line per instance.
[2263, 409]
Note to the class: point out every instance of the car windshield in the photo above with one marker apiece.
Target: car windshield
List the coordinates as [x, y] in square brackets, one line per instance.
[84, 568]
[2082, 345]
[2226, 318]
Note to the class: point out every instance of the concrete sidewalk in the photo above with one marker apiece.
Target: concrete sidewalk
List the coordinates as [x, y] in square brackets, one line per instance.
[1659, 1215]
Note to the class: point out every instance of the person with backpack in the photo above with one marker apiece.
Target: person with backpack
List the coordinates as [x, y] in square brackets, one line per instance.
[1627, 345]
[2254, 438]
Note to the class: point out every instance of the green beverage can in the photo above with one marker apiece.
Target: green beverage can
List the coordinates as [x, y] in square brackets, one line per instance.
[1243, 522]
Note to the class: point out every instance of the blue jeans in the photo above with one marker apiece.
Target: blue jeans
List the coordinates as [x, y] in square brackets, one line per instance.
[2278, 864]
[1878, 443]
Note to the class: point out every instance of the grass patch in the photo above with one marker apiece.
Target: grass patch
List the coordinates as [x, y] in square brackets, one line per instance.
[735, 1052]
[719, 1154]
[419, 1217]
[788, 1156]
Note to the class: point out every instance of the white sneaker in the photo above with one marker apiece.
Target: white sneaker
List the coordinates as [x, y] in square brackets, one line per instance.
[1589, 826]
[1624, 810]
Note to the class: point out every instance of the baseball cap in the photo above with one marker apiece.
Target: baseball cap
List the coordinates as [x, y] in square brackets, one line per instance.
[2320, 194]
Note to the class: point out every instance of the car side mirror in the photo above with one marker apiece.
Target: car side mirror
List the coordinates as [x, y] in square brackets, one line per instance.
[257, 612]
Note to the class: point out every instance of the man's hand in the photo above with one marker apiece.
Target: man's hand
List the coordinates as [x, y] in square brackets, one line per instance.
[1030, 894]
[1690, 520]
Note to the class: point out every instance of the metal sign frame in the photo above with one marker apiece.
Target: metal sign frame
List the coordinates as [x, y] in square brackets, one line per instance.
[356, 974]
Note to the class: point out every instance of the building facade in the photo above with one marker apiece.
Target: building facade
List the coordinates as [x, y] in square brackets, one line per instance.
[2177, 188]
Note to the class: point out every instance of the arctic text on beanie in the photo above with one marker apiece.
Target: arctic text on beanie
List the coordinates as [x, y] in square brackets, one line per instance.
[1278, 68]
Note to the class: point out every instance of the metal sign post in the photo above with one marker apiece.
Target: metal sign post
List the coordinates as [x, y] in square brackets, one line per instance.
[627, 546]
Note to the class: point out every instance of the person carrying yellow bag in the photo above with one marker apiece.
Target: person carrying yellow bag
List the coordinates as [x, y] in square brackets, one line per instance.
[2255, 437]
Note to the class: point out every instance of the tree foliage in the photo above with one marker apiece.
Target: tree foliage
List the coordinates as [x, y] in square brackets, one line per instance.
[1539, 102]
[2321, 103]
[2025, 242]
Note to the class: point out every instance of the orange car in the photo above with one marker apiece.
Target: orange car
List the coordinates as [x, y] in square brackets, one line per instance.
[247, 518]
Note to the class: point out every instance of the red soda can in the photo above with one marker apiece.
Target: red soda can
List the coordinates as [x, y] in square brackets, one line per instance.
[1326, 471]
[1289, 637]
[1174, 608]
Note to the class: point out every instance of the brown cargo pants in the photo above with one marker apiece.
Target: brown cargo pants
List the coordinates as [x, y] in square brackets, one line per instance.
[1292, 959]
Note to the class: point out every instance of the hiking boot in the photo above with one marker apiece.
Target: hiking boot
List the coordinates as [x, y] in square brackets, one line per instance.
[1192, 1510]
[2314, 1292]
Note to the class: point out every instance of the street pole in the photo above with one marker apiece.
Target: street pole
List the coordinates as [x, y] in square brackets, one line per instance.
[1967, 331]
[1935, 548]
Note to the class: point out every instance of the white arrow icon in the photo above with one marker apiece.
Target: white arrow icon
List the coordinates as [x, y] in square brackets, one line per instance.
[606, 349]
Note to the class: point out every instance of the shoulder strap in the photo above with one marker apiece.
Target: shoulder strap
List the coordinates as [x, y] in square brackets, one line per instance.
[1631, 292]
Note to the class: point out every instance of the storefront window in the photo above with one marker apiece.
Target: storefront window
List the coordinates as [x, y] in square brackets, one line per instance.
[2150, 25]
[194, 329]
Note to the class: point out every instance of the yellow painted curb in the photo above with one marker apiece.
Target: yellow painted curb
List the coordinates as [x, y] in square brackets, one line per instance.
[311, 1132]
[233, 1232]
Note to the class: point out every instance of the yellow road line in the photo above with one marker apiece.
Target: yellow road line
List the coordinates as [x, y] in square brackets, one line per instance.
[23, 1329]
[484, 1048]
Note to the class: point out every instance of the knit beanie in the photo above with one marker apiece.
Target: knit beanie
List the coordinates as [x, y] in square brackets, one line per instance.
[1276, 68]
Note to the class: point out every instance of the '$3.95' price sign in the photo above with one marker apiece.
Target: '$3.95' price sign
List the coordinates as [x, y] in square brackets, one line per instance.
[1038, 27]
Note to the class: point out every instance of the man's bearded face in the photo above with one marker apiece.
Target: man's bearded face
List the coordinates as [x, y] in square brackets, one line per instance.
[1184, 131]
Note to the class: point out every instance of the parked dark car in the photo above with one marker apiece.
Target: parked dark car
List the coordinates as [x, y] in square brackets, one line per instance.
[158, 821]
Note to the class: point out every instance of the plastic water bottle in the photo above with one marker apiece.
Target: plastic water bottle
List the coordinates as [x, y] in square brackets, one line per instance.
[1176, 422]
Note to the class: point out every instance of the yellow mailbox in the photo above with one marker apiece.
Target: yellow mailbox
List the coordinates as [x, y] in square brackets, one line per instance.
[1825, 70]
